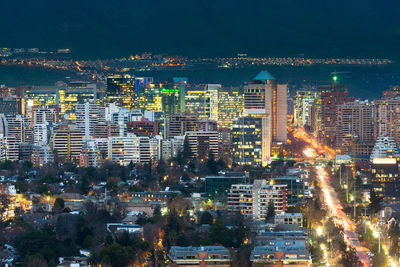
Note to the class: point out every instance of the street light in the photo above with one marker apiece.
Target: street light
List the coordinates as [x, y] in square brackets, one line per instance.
[377, 234]
[320, 231]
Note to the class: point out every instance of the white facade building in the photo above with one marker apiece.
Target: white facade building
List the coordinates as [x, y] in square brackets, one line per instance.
[252, 200]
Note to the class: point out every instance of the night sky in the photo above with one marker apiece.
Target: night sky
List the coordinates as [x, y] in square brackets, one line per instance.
[105, 28]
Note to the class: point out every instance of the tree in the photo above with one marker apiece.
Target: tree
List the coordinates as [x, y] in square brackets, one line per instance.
[187, 152]
[206, 218]
[270, 212]
[394, 235]
[376, 202]
[43, 243]
[4, 203]
[109, 240]
[211, 163]
[115, 255]
[350, 258]
[242, 256]
[22, 186]
[35, 261]
[58, 205]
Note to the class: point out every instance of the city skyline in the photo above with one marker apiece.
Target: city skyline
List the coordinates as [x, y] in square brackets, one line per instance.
[204, 133]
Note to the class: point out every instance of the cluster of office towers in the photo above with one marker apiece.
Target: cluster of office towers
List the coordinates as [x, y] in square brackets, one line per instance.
[134, 119]
[365, 131]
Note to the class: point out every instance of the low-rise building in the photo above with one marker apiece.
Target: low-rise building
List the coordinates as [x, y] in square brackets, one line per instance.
[121, 227]
[216, 185]
[281, 252]
[289, 218]
[216, 256]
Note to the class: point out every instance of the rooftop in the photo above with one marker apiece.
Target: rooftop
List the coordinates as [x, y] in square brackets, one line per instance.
[193, 253]
[264, 75]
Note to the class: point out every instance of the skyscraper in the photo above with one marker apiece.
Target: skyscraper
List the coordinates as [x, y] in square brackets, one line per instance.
[265, 94]
[87, 116]
[385, 169]
[302, 107]
[124, 149]
[387, 118]
[263, 126]
[67, 143]
[202, 144]
[179, 124]
[354, 128]
[121, 90]
[74, 93]
[324, 110]
[250, 144]
[230, 106]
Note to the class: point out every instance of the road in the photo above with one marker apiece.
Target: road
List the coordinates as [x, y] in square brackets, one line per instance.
[335, 210]
[329, 196]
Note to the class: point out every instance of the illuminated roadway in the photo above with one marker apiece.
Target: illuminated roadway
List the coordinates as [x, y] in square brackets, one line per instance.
[330, 200]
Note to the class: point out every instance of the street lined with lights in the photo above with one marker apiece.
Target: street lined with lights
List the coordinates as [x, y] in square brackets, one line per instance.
[329, 197]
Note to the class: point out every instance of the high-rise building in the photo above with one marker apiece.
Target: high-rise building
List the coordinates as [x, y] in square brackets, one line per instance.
[105, 130]
[202, 101]
[124, 149]
[252, 200]
[121, 90]
[141, 83]
[73, 93]
[179, 124]
[94, 151]
[202, 143]
[387, 118]
[123, 116]
[213, 91]
[17, 125]
[87, 116]
[265, 94]
[170, 148]
[144, 127]
[40, 96]
[156, 116]
[144, 149]
[251, 140]
[206, 124]
[181, 84]
[3, 125]
[385, 163]
[324, 110]
[41, 134]
[302, 108]
[156, 148]
[67, 143]
[12, 105]
[170, 101]
[41, 156]
[265, 99]
[152, 98]
[230, 107]
[354, 128]
[294, 188]
[10, 148]
[43, 114]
